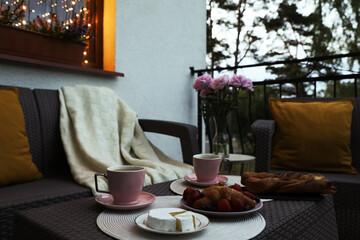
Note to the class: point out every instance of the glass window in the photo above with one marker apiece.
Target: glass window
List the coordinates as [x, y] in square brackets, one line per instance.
[70, 22]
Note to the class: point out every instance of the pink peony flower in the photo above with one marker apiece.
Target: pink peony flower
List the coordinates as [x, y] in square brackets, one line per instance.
[247, 85]
[236, 81]
[220, 82]
[203, 82]
[242, 82]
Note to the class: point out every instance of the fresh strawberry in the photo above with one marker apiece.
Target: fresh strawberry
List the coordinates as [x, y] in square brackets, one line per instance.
[187, 192]
[236, 187]
[237, 204]
[192, 197]
[224, 206]
[249, 195]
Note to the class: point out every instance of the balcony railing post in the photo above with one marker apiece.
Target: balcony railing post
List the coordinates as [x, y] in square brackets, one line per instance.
[297, 89]
[199, 115]
[265, 102]
[199, 118]
[250, 113]
[355, 87]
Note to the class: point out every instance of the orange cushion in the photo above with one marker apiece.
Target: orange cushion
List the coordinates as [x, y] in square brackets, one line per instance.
[16, 165]
[312, 136]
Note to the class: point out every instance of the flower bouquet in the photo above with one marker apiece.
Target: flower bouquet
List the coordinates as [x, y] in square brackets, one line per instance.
[220, 97]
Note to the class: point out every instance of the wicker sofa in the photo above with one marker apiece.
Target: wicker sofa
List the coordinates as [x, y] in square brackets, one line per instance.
[41, 113]
[347, 197]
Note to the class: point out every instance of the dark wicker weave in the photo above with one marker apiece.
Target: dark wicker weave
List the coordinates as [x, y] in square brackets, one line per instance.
[347, 198]
[77, 219]
[41, 112]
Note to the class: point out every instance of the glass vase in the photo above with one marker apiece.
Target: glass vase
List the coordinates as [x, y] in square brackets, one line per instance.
[221, 140]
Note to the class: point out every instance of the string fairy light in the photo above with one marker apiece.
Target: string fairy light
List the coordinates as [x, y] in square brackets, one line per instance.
[65, 12]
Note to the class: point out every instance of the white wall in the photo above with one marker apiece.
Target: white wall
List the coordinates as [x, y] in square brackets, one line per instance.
[156, 43]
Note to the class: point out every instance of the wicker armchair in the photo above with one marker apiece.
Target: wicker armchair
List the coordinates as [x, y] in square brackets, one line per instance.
[347, 198]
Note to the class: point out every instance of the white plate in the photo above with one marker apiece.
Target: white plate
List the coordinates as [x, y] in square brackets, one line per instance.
[201, 222]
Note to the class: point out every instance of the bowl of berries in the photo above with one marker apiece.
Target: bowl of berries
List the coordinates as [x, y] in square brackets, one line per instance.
[221, 200]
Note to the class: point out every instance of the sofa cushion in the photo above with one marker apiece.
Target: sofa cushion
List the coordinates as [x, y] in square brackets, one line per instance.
[312, 136]
[16, 165]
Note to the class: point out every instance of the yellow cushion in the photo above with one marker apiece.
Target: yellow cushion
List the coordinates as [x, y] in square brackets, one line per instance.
[312, 136]
[16, 165]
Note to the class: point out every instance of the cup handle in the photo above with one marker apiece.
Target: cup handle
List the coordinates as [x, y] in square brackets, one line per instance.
[96, 182]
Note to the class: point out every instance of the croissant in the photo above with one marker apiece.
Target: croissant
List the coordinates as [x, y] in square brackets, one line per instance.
[289, 182]
[214, 193]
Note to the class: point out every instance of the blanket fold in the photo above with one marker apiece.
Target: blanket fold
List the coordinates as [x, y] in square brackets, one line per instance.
[99, 130]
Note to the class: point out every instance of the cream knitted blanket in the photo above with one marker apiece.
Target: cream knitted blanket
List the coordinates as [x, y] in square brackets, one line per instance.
[99, 130]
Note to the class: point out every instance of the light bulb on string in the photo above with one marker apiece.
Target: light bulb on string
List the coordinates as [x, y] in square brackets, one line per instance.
[70, 11]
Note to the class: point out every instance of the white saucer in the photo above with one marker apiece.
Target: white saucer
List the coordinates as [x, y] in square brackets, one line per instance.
[201, 222]
[107, 200]
[191, 178]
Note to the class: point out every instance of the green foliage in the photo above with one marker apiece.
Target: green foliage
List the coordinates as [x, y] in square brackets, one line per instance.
[343, 89]
[218, 48]
[299, 33]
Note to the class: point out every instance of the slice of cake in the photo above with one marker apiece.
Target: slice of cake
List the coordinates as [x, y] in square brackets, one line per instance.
[171, 219]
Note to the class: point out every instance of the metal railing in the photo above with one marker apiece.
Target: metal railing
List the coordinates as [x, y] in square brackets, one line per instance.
[239, 125]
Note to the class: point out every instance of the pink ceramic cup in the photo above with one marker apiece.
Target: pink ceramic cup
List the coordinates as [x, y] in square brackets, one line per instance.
[125, 183]
[206, 166]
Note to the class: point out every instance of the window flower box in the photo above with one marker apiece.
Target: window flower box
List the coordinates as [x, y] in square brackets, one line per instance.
[23, 43]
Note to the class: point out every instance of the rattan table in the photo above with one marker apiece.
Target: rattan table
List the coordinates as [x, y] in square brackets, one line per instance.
[76, 219]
